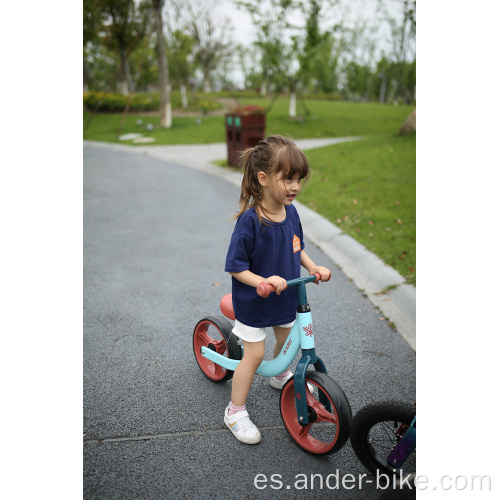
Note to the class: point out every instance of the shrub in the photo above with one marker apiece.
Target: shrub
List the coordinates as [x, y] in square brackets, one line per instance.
[117, 102]
[147, 101]
[207, 105]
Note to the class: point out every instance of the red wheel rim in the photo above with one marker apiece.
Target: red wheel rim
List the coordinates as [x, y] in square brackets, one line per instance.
[320, 435]
[207, 334]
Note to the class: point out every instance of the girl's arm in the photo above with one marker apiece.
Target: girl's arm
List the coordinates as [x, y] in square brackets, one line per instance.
[255, 280]
[279, 283]
[306, 262]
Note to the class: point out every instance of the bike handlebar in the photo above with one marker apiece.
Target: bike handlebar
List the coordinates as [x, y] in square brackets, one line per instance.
[264, 289]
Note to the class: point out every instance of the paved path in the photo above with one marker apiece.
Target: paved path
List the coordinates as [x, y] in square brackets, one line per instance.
[155, 239]
[384, 286]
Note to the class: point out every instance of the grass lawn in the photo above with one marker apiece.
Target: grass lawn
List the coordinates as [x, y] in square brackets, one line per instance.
[325, 119]
[368, 189]
[105, 126]
[334, 119]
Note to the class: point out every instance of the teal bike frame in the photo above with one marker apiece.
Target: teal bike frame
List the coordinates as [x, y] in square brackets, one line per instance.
[300, 337]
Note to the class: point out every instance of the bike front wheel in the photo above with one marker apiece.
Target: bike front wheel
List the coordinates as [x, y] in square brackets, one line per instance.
[215, 333]
[376, 430]
[329, 415]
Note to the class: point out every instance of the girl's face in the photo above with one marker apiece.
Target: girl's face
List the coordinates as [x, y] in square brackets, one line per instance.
[284, 190]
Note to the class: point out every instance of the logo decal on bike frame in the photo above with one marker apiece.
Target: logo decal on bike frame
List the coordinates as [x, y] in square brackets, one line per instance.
[309, 330]
[289, 343]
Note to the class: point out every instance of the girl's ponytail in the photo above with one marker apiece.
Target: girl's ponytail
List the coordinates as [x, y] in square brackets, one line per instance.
[250, 186]
[251, 190]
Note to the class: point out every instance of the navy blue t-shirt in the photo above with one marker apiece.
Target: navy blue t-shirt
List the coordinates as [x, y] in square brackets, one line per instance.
[273, 248]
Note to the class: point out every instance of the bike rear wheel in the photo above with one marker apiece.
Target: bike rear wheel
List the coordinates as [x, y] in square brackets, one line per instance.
[215, 332]
[376, 430]
[329, 415]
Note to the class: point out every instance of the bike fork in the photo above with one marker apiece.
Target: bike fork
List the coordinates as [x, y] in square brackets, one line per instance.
[308, 358]
[405, 446]
[299, 380]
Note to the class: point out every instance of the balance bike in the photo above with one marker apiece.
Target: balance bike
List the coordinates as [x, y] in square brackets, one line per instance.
[318, 422]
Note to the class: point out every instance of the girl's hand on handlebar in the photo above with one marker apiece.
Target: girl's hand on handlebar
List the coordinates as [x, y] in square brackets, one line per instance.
[322, 271]
[277, 282]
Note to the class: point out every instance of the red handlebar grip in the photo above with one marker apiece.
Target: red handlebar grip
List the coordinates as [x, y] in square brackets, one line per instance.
[264, 289]
[318, 277]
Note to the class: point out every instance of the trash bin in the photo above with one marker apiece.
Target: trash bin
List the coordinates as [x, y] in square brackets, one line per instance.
[244, 129]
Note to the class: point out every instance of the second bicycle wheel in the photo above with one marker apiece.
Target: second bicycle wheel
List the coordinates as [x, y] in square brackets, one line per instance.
[329, 415]
[376, 430]
[215, 332]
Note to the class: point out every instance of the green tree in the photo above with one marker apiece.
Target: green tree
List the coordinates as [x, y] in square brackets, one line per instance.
[401, 81]
[359, 79]
[211, 33]
[324, 66]
[313, 40]
[99, 65]
[123, 33]
[317, 58]
[248, 60]
[180, 48]
[92, 21]
[144, 66]
[273, 29]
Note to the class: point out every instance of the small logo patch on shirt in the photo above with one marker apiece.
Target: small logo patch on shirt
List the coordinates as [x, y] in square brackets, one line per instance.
[296, 244]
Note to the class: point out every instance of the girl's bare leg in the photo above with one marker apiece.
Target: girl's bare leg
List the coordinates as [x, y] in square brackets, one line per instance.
[253, 354]
[281, 335]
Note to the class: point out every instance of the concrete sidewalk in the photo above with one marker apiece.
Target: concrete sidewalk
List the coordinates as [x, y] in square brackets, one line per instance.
[385, 287]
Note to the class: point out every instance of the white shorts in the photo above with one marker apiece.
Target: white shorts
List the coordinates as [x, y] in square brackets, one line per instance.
[251, 334]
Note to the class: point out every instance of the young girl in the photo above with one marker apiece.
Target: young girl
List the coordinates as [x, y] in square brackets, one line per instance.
[266, 245]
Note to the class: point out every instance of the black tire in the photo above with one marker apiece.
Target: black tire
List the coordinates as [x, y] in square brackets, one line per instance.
[215, 332]
[329, 415]
[376, 429]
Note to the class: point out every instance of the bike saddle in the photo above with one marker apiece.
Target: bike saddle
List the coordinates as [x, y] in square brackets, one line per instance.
[226, 306]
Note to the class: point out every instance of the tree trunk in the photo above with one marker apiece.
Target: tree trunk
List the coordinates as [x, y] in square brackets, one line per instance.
[381, 97]
[263, 88]
[206, 80]
[85, 78]
[393, 88]
[184, 96]
[292, 108]
[126, 78]
[165, 104]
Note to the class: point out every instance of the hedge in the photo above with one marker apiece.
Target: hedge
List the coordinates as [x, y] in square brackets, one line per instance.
[117, 102]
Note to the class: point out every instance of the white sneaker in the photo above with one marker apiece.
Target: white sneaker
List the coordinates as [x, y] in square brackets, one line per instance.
[242, 427]
[278, 384]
